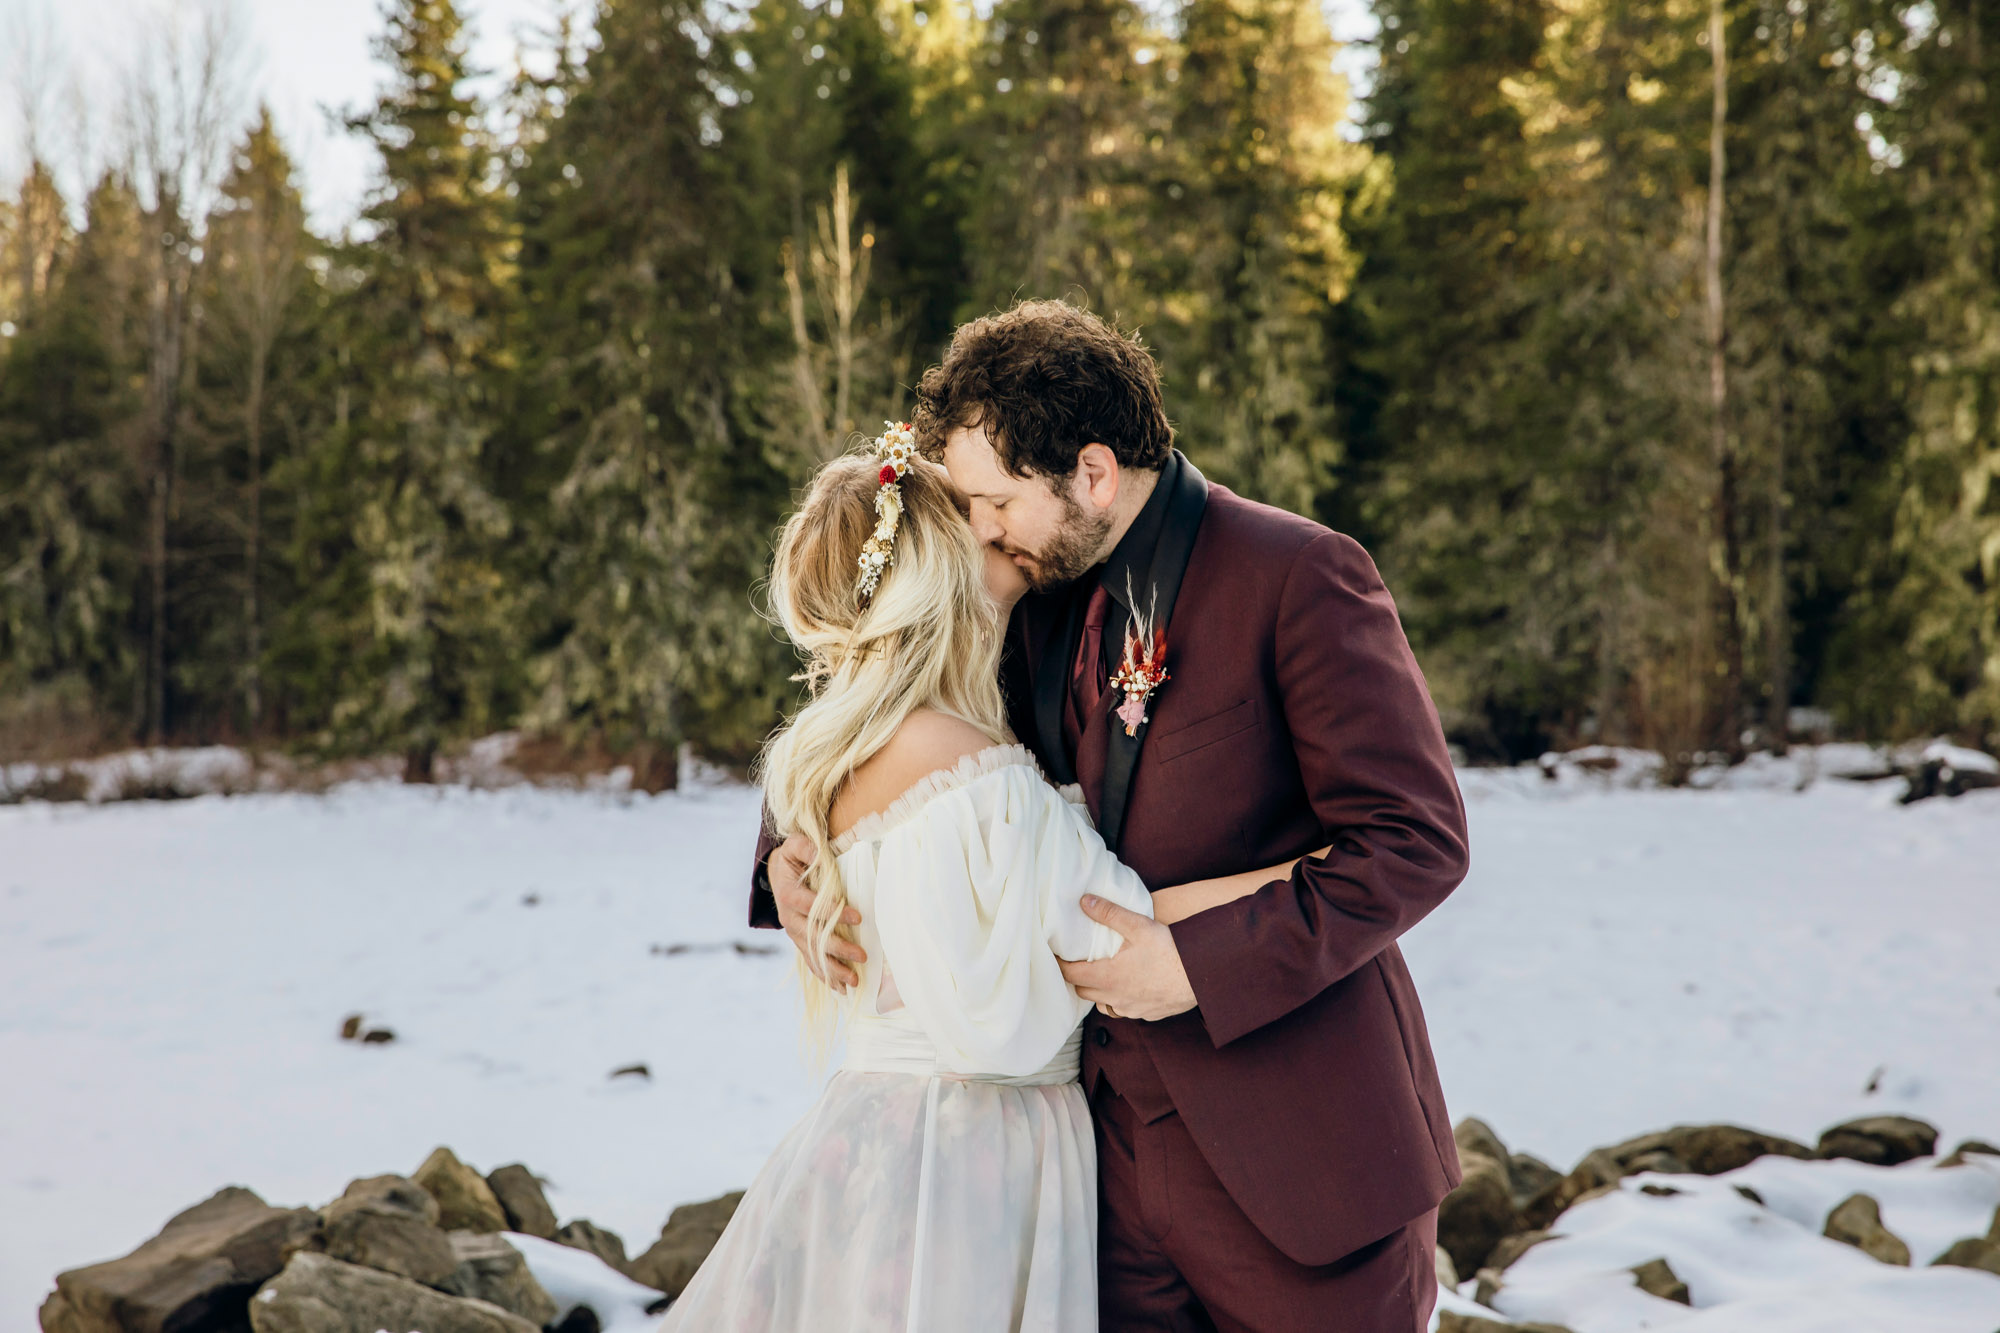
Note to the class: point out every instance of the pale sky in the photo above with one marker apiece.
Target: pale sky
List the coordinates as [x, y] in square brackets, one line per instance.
[299, 55]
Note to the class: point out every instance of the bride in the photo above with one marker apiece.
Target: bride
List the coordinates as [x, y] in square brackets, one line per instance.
[947, 1176]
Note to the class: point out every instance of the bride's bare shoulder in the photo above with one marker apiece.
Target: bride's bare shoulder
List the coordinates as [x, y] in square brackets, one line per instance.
[926, 742]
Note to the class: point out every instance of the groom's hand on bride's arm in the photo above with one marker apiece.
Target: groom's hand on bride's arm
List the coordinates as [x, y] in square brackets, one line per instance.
[787, 869]
[1144, 979]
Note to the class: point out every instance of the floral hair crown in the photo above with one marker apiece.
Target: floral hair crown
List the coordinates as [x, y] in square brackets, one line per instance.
[896, 446]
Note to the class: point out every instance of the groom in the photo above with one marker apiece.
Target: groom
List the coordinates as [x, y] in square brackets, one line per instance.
[1272, 1139]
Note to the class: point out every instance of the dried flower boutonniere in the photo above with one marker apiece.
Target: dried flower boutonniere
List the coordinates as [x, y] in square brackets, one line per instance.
[1143, 667]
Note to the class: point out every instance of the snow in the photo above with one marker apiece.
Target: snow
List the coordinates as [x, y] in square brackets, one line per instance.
[211, 768]
[1623, 958]
[175, 976]
[1960, 758]
[1765, 1268]
[574, 1277]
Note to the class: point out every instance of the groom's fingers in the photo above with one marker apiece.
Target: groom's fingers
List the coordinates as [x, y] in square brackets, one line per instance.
[1121, 919]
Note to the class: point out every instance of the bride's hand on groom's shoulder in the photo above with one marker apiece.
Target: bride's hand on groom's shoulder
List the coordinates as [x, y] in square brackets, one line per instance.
[787, 868]
[1144, 979]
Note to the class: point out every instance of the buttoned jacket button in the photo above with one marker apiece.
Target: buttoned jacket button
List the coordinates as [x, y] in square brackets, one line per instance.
[1103, 1035]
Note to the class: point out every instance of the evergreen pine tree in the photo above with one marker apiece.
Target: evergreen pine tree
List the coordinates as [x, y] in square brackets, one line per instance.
[817, 88]
[1798, 315]
[1435, 400]
[659, 516]
[409, 618]
[247, 401]
[34, 236]
[71, 414]
[1062, 129]
[1258, 253]
[1946, 540]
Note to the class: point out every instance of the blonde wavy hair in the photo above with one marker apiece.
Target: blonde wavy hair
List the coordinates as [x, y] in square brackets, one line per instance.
[928, 638]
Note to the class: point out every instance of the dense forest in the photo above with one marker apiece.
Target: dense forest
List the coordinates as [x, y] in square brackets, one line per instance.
[1652, 346]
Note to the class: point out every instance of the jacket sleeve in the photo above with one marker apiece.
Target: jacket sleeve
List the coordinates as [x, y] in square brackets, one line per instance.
[763, 907]
[1375, 767]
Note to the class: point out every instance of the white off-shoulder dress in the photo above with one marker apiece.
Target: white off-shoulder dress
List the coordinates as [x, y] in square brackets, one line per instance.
[946, 1180]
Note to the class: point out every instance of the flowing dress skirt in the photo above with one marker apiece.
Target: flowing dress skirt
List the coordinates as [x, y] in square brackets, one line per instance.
[914, 1204]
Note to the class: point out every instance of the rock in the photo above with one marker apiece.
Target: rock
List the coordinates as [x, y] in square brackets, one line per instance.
[1474, 1135]
[1857, 1221]
[583, 1234]
[465, 1202]
[350, 1027]
[580, 1319]
[1487, 1286]
[1960, 1154]
[521, 1199]
[1598, 1170]
[320, 1294]
[1659, 1160]
[1528, 1176]
[690, 1232]
[1513, 1247]
[1972, 1252]
[1880, 1140]
[1750, 1194]
[491, 1270]
[396, 1194]
[1447, 1276]
[1656, 1277]
[1993, 1231]
[1474, 1217]
[198, 1272]
[1452, 1322]
[388, 1223]
[1705, 1150]
[1938, 775]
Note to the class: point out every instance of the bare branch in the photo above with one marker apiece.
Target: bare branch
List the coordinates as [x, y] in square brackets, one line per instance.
[183, 104]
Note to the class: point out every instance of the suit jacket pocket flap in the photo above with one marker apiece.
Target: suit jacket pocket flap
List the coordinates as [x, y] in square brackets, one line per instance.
[1204, 731]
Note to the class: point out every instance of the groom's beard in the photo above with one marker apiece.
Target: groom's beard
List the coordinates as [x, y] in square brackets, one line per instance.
[1074, 548]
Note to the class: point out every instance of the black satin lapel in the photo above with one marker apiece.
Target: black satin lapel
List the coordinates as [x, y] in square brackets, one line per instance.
[1170, 561]
[1015, 690]
[1051, 679]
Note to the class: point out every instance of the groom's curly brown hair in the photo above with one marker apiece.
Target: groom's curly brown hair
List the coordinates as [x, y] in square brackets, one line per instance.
[1045, 379]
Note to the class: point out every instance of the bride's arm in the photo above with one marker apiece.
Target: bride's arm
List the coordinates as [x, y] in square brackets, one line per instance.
[1181, 901]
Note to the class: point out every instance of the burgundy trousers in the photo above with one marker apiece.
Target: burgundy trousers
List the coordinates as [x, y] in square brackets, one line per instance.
[1176, 1255]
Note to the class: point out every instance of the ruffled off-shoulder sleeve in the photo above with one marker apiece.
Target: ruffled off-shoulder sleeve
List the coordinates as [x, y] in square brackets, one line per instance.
[976, 899]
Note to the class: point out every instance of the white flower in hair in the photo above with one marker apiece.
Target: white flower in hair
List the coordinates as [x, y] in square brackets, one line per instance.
[896, 446]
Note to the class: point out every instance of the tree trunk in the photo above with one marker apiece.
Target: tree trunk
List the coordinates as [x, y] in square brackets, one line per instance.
[420, 762]
[1777, 615]
[845, 298]
[156, 645]
[167, 331]
[1725, 554]
[253, 681]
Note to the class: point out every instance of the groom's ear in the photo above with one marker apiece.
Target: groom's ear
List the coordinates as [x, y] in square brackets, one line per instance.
[1097, 474]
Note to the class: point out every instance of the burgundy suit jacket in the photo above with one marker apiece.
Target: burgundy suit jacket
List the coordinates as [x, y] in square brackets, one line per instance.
[1295, 717]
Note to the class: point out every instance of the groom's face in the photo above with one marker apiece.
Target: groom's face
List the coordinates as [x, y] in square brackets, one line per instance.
[1052, 531]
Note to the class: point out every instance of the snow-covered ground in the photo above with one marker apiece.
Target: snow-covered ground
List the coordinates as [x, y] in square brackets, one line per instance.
[1762, 1267]
[173, 977]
